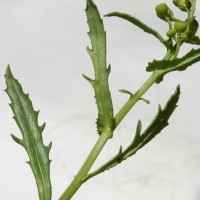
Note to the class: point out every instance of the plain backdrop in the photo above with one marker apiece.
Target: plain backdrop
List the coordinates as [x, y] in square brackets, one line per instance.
[44, 42]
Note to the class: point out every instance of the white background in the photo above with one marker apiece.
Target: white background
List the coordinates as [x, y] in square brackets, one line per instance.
[44, 41]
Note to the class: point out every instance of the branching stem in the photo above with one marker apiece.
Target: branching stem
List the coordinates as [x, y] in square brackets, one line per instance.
[83, 172]
[172, 53]
[105, 136]
[136, 97]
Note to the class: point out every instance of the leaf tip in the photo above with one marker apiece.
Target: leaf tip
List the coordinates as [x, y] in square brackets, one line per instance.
[8, 71]
[138, 129]
[108, 15]
[178, 89]
[145, 100]
[89, 3]
[126, 92]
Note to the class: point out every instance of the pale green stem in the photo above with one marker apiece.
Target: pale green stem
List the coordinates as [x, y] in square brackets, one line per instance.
[127, 107]
[192, 10]
[177, 50]
[169, 22]
[175, 19]
[105, 136]
[168, 55]
[132, 101]
[136, 97]
[77, 182]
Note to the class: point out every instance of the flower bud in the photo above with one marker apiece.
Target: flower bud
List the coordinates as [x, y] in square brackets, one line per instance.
[171, 33]
[180, 26]
[163, 11]
[183, 5]
[184, 37]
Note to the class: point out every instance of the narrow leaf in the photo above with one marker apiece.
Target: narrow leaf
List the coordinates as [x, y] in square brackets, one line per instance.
[98, 56]
[145, 100]
[27, 120]
[156, 126]
[178, 64]
[126, 92]
[132, 95]
[137, 23]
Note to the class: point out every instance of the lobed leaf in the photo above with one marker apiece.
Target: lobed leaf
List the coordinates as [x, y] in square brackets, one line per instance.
[98, 56]
[141, 139]
[139, 24]
[178, 64]
[27, 120]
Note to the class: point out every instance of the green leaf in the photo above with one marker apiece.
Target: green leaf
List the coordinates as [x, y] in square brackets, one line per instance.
[193, 40]
[138, 23]
[126, 92]
[27, 120]
[98, 56]
[132, 95]
[145, 100]
[141, 139]
[178, 64]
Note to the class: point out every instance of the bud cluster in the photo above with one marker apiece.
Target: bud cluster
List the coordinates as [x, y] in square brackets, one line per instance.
[178, 29]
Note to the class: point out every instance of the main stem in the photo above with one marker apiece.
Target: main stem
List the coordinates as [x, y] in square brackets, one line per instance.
[78, 180]
[105, 136]
[136, 97]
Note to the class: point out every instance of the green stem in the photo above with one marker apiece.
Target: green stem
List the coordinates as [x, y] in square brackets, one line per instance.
[136, 97]
[178, 45]
[176, 20]
[78, 180]
[169, 55]
[192, 10]
[169, 22]
[105, 136]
